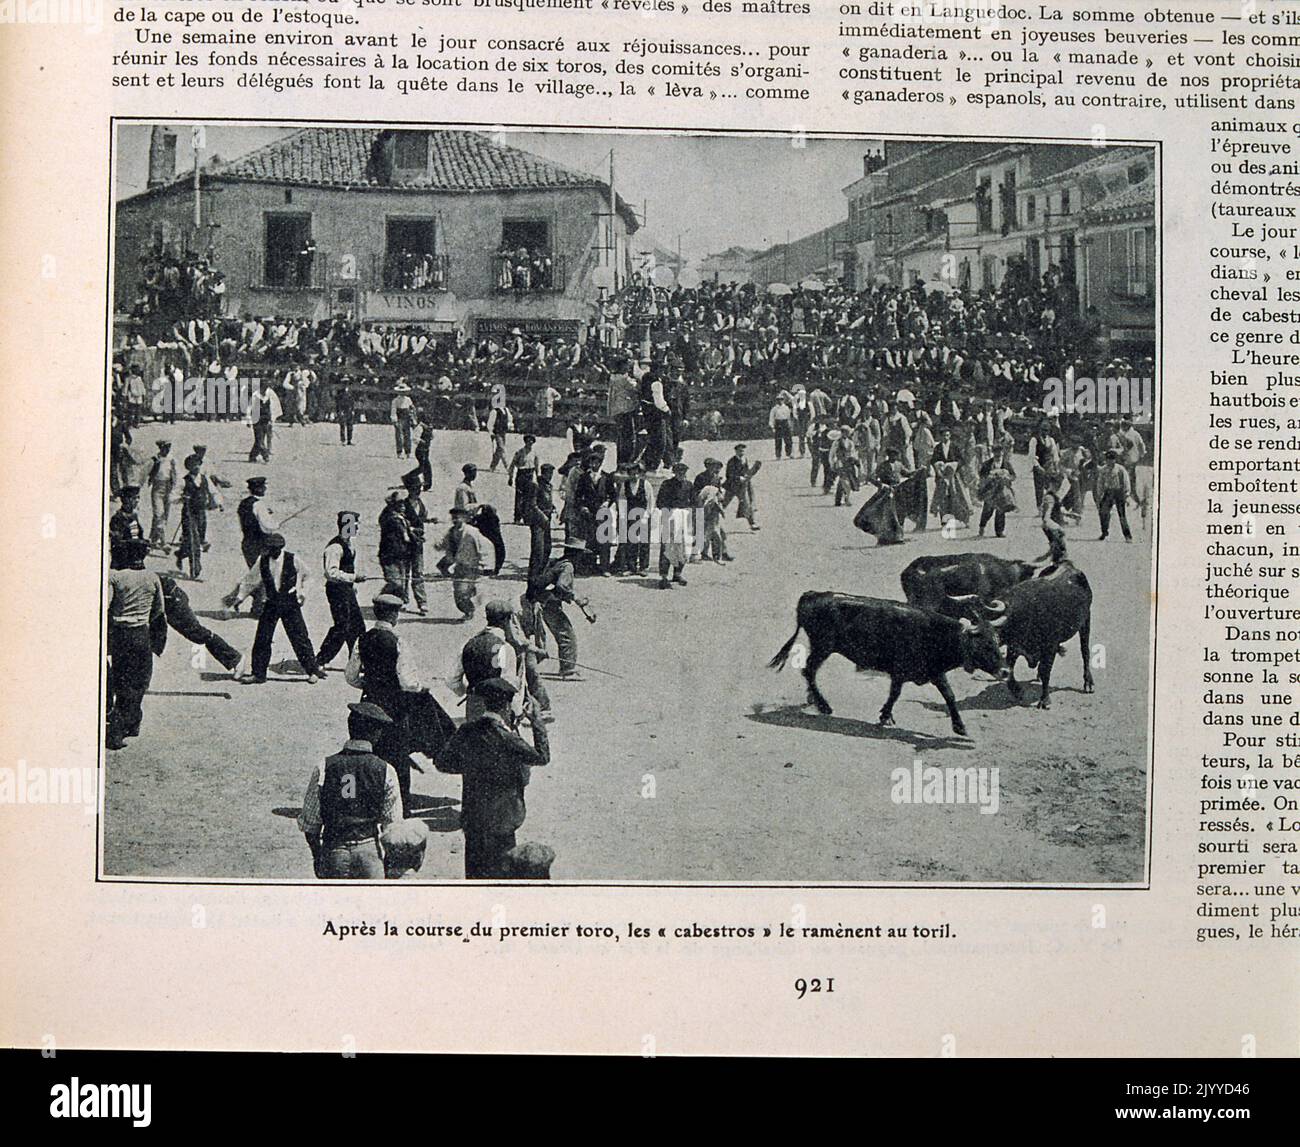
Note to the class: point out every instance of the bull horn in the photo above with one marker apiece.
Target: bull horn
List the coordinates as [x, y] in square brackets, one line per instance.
[967, 626]
[998, 622]
[963, 597]
[996, 608]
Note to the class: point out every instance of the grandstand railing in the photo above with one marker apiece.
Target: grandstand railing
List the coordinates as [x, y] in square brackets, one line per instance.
[303, 272]
[401, 271]
[506, 281]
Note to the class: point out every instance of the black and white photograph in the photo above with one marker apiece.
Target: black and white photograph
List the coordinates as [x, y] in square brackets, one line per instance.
[628, 507]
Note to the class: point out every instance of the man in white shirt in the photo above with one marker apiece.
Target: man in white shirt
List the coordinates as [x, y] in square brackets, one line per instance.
[284, 583]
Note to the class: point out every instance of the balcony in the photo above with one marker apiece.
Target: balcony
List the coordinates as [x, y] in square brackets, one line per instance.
[541, 271]
[410, 271]
[304, 270]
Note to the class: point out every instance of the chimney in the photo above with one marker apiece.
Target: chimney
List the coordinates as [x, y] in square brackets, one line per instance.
[162, 156]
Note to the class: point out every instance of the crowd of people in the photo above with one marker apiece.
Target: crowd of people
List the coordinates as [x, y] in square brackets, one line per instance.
[178, 285]
[903, 399]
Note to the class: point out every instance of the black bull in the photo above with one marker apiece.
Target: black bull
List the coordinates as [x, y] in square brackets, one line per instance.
[1034, 618]
[909, 644]
[955, 584]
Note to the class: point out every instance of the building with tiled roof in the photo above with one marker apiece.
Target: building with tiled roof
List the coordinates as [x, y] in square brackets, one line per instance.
[447, 228]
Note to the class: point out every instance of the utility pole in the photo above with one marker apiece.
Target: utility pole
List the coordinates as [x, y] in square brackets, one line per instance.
[613, 223]
[196, 140]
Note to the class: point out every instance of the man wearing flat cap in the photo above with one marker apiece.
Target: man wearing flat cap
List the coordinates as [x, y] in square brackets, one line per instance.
[256, 521]
[387, 677]
[494, 762]
[124, 525]
[461, 561]
[350, 799]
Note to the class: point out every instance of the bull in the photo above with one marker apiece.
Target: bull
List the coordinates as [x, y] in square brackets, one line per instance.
[955, 584]
[909, 644]
[1034, 619]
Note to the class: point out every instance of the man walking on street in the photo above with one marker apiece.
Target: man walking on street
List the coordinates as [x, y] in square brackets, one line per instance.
[461, 561]
[395, 545]
[1114, 491]
[284, 586]
[263, 412]
[135, 607]
[162, 486]
[341, 578]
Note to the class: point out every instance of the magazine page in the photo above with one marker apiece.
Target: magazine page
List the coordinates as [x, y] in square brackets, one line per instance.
[744, 527]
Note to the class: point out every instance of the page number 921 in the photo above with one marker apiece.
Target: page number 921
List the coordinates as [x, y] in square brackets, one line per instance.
[804, 987]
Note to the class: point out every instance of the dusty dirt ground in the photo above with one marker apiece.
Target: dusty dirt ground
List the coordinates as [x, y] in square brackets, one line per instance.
[748, 785]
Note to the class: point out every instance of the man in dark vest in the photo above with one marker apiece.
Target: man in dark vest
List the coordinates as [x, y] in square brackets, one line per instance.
[341, 578]
[284, 583]
[345, 411]
[379, 668]
[494, 762]
[124, 525]
[350, 799]
[256, 521]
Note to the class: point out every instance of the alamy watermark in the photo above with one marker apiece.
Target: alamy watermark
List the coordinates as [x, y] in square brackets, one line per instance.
[88, 13]
[930, 784]
[1122, 394]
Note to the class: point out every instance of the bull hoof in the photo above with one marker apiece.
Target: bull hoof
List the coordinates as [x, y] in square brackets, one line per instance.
[820, 706]
[960, 731]
[887, 722]
[1044, 704]
[1088, 687]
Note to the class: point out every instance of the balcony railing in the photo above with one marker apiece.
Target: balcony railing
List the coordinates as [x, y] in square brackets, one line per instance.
[295, 271]
[520, 275]
[410, 271]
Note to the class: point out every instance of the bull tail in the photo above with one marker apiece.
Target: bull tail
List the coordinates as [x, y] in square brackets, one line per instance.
[782, 654]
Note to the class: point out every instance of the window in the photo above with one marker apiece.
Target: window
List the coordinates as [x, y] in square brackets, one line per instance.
[530, 233]
[288, 251]
[411, 255]
[984, 203]
[1031, 208]
[524, 261]
[411, 151]
[1065, 201]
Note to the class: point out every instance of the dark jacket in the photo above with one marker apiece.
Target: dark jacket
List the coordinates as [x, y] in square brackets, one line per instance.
[494, 762]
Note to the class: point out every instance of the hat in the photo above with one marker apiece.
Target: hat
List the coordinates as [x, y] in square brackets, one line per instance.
[494, 687]
[200, 449]
[412, 480]
[404, 843]
[394, 496]
[530, 438]
[469, 468]
[497, 610]
[163, 442]
[345, 516]
[370, 712]
[530, 861]
[680, 467]
[401, 388]
[273, 541]
[253, 483]
[388, 601]
[574, 544]
[463, 511]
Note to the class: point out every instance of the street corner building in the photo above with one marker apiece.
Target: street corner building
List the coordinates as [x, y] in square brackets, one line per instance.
[450, 229]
